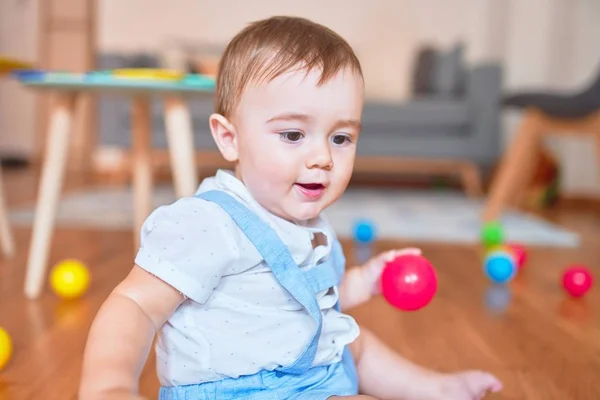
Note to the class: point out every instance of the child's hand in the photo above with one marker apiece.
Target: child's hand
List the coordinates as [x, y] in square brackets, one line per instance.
[373, 268]
[363, 282]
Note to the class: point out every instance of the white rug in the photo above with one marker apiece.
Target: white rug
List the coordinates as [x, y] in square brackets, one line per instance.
[423, 215]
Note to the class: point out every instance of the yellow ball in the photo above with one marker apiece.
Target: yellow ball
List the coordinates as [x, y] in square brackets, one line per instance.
[70, 279]
[5, 348]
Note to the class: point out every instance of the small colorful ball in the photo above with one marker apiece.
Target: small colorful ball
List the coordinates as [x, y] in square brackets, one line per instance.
[70, 279]
[364, 231]
[520, 254]
[6, 348]
[577, 280]
[500, 266]
[409, 282]
[492, 234]
[500, 248]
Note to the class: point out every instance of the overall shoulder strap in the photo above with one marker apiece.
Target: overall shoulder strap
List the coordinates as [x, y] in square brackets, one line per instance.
[279, 259]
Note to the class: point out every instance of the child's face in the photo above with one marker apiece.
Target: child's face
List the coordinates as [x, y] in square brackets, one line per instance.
[296, 141]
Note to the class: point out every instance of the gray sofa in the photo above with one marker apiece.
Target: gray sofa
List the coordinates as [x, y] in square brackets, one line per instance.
[465, 127]
[453, 114]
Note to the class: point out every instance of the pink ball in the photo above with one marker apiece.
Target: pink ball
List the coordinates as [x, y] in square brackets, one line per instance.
[520, 253]
[409, 282]
[577, 280]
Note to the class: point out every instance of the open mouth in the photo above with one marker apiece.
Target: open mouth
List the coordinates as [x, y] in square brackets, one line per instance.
[311, 191]
[311, 186]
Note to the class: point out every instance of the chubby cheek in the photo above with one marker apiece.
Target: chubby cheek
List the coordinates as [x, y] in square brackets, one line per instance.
[344, 165]
[269, 174]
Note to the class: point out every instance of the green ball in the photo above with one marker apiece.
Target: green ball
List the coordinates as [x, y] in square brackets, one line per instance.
[492, 234]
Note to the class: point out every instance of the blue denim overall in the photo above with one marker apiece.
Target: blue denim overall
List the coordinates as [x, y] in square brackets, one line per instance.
[299, 380]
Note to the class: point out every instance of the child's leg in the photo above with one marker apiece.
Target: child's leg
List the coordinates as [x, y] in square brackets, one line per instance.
[384, 374]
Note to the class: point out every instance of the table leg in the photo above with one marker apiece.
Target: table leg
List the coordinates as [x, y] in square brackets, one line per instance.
[53, 169]
[181, 146]
[514, 165]
[7, 241]
[471, 180]
[142, 166]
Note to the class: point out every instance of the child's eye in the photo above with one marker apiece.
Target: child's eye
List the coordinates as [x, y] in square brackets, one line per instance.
[340, 139]
[291, 136]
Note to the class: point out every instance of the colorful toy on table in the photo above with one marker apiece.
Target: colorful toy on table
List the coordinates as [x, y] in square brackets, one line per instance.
[577, 280]
[6, 348]
[147, 73]
[9, 65]
[156, 75]
[409, 282]
[127, 77]
[70, 279]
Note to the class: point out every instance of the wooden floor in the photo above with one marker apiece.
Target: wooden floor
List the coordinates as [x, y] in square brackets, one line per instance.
[544, 346]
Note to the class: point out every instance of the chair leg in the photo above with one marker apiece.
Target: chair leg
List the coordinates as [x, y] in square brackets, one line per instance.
[61, 121]
[181, 146]
[142, 166]
[6, 237]
[514, 165]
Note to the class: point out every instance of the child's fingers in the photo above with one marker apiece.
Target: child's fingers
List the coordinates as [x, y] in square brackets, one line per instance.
[372, 271]
[376, 266]
[413, 251]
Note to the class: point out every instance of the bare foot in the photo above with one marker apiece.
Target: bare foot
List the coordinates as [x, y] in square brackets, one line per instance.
[467, 385]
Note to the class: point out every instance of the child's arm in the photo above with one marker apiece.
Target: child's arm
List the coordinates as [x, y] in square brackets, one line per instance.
[122, 334]
[386, 374]
[360, 283]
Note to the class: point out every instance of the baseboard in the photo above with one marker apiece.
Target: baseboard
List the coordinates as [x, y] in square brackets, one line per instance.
[112, 165]
[587, 202]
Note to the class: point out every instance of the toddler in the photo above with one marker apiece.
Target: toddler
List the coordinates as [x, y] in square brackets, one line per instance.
[244, 284]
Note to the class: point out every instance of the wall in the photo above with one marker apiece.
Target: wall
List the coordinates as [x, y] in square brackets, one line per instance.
[385, 33]
[580, 157]
[547, 44]
[553, 45]
[18, 39]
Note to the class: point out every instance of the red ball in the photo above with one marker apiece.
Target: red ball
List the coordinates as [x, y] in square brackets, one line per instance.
[577, 280]
[409, 282]
[520, 253]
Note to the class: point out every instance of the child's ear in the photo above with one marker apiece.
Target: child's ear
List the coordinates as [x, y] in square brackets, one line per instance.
[225, 136]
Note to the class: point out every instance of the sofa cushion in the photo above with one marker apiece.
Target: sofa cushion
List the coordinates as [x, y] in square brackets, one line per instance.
[423, 112]
[423, 72]
[448, 75]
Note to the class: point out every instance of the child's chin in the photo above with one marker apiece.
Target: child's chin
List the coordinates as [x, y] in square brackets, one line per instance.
[306, 214]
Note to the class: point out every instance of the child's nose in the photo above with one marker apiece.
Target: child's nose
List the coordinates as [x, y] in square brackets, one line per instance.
[320, 157]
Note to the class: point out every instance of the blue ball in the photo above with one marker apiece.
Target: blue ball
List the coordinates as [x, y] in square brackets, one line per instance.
[500, 267]
[364, 231]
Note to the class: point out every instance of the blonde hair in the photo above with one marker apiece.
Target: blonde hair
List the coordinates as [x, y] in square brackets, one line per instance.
[268, 48]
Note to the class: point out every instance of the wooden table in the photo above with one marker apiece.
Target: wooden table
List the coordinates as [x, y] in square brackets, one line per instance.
[69, 88]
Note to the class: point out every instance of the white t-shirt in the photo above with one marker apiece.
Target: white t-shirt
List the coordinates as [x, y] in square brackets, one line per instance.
[237, 319]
